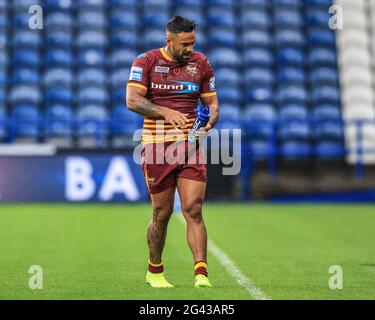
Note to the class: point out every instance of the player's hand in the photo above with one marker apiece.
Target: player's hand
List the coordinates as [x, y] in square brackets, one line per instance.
[177, 119]
[202, 132]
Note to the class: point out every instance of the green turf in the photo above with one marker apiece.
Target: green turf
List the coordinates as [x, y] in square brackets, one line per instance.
[100, 252]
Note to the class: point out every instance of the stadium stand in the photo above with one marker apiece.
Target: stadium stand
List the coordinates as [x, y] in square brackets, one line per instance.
[275, 62]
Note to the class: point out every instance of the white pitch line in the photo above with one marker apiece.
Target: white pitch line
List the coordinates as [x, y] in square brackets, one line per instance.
[233, 270]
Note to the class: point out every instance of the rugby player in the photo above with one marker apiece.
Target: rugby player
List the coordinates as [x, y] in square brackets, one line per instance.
[165, 86]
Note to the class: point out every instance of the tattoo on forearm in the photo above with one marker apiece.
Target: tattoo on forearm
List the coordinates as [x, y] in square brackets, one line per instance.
[214, 116]
[146, 108]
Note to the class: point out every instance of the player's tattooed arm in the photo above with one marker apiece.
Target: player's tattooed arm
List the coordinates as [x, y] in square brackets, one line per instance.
[136, 101]
[213, 104]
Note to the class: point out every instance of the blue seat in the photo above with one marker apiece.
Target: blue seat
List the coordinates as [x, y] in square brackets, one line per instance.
[294, 130]
[126, 4]
[221, 17]
[329, 130]
[322, 57]
[325, 94]
[192, 14]
[59, 39]
[92, 77]
[26, 58]
[96, 112]
[30, 39]
[59, 21]
[258, 57]
[122, 58]
[92, 20]
[287, 18]
[119, 77]
[3, 125]
[93, 95]
[56, 77]
[197, 4]
[59, 58]
[230, 112]
[258, 4]
[26, 119]
[157, 4]
[223, 38]
[3, 78]
[261, 149]
[222, 3]
[257, 39]
[23, 5]
[92, 40]
[230, 95]
[318, 17]
[92, 58]
[152, 39]
[2, 97]
[288, 3]
[259, 94]
[59, 95]
[23, 94]
[324, 75]
[155, 19]
[21, 20]
[289, 38]
[3, 39]
[319, 37]
[323, 112]
[118, 95]
[255, 112]
[293, 150]
[3, 4]
[255, 19]
[3, 20]
[25, 76]
[92, 4]
[125, 19]
[3, 58]
[321, 3]
[227, 76]
[292, 93]
[59, 129]
[330, 150]
[291, 75]
[58, 5]
[225, 57]
[290, 57]
[124, 38]
[61, 113]
[263, 76]
[293, 112]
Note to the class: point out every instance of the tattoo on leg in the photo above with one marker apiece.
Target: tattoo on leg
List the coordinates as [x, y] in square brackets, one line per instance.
[156, 235]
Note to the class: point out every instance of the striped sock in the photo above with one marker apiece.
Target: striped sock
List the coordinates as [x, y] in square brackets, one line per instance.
[200, 268]
[155, 268]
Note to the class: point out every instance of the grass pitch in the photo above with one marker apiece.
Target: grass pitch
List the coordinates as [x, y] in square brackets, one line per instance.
[100, 251]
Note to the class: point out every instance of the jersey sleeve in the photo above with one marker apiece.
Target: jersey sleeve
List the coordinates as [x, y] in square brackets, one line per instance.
[208, 82]
[139, 73]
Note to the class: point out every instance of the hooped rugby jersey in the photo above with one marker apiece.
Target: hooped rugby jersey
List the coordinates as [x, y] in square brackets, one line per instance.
[174, 85]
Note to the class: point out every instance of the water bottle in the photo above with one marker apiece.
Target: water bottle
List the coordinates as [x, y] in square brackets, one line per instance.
[203, 115]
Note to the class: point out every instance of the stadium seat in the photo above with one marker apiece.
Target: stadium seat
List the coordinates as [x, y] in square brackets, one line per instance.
[288, 3]
[23, 5]
[59, 133]
[227, 76]
[321, 37]
[91, 58]
[294, 130]
[120, 77]
[116, 4]
[255, 19]
[62, 113]
[289, 39]
[92, 77]
[262, 76]
[58, 5]
[3, 125]
[21, 94]
[287, 18]
[259, 4]
[327, 112]
[59, 95]
[57, 77]
[255, 112]
[222, 38]
[153, 39]
[26, 58]
[25, 76]
[290, 57]
[225, 57]
[257, 39]
[318, 17]
[59, 58]
[325, 94]
[261, 149]
[197, 4]
[26, 123]
[59, 39]
[329, 130]
[322, 57]
[291, 93]
[125, 19]
[157, 4]
[3, 78]
[293, 150]
[123, 38]
[92, 20]
[288, 75]
[258, 57]
[192, 14]
[92, 4]
[92, 40]
[122, 58]
[29, 39]
[59, 21]
[330, 150]
[324, 75]
[155, 19]
[221, 17]
[93, 95]
[230, 95]
[260, 94]
[293, 112]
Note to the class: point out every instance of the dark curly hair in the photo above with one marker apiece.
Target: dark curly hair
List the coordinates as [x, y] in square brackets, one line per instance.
[180, 24]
